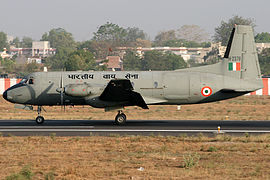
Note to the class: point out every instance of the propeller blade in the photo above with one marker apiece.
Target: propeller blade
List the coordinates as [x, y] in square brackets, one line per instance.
[62, 91]
[61, 82]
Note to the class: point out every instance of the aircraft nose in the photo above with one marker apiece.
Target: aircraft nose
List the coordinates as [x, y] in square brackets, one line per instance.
[5, 95]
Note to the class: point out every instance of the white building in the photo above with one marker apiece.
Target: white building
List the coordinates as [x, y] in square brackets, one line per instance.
[42, 48]
[4, 54]
[261, 46]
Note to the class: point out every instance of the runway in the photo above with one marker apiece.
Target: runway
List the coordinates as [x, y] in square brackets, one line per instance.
[133, 127]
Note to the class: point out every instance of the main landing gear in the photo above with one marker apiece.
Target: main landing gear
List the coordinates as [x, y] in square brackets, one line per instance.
[39, 119]
[120, 118]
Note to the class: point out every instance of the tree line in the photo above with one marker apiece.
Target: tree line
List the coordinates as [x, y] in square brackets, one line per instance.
[72, 55]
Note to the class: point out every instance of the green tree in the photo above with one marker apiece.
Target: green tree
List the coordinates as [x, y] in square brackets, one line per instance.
[165, 36]
[174, 61]
[141, 43]
[155, 60]
[80, 60]
[8, 65]
[264, 59]
[106, 39]
[59, 38]
[184, 43]
[111, 33]
[223, 31]
[16, 42]
[27, 42]
[72, 60]
[31, 67]
[3, 41]
[85, 45]
[109, 36]
[134, 33]
[192, 33]
[57, 62]
[263, 37]
[132, 62]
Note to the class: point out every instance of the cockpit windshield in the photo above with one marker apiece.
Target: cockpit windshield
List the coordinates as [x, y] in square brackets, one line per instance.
[26, 80]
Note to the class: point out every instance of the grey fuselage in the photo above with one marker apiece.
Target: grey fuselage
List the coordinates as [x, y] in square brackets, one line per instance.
[156, 87]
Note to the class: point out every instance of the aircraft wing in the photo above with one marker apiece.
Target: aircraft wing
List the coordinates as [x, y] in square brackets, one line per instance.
[121, 90]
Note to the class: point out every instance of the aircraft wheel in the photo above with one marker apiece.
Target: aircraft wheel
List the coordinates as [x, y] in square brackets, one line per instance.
[39, 119]
[120, 119]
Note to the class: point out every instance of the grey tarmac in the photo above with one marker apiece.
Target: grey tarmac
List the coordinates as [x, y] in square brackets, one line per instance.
[132, 127]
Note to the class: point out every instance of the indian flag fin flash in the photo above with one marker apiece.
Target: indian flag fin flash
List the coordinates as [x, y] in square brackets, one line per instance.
[234, 66]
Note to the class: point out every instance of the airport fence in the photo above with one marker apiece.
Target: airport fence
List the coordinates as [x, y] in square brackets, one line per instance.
[5, 83]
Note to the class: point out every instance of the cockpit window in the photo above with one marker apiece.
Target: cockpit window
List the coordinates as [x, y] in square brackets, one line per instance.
[31, 81]
[24, 81]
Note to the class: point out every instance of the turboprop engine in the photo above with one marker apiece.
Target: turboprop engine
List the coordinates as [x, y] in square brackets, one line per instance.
[81, 90]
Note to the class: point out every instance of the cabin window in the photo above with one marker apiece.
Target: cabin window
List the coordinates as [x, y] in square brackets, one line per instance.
[155, 84]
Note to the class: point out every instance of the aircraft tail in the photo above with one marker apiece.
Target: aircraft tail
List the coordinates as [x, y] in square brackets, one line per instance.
[240, 66]
[241, 60]
[241, 55]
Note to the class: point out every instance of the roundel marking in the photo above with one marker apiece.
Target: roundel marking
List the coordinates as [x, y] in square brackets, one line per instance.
[206, 91]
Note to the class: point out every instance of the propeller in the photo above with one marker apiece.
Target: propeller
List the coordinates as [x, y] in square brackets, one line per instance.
[61, 90]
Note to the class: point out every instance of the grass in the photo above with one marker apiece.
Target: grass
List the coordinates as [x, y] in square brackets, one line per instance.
[24, 174]
[95, 157]
[212, 149]
[190, 160]
[120, 157]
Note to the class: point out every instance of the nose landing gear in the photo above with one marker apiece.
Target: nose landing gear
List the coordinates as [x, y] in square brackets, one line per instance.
[39, 119]
[120, 118]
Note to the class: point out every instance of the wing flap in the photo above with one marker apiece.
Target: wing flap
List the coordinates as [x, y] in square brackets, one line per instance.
[121, 90]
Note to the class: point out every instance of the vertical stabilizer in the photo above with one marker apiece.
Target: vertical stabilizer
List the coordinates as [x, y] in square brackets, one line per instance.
[241, 55]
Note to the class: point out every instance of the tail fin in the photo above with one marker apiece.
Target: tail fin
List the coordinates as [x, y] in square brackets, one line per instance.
[241, 55]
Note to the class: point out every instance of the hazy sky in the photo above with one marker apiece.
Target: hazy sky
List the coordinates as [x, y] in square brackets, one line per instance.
[82, 17]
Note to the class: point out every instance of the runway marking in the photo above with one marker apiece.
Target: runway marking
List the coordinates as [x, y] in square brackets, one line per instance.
[131, 130]
[44, 127]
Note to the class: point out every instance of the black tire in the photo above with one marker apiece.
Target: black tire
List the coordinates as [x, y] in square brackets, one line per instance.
[40, 120]
[120, 119]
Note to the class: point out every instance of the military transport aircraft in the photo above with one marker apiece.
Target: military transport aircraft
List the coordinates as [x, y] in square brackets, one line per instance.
[237, 74]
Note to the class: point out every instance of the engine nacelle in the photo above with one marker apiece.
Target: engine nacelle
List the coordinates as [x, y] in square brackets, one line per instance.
[80, 90]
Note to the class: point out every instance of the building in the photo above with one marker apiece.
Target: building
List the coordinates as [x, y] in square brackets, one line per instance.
[4, 54]
[197, 54]
[34, 60]
[261, 46]
[39, 49]
[20, 51]
[42, 49]
[114, 63]
[221, 49]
